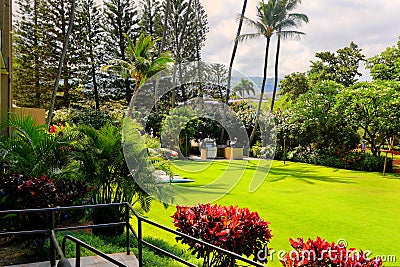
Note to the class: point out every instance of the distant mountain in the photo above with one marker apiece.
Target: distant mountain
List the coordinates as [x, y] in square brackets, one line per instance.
[269, 86]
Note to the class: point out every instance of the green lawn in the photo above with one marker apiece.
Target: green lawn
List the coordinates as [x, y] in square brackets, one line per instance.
[302, 200]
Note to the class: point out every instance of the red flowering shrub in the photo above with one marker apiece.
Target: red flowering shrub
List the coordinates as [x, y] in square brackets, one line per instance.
[320, 253]
[231, 228]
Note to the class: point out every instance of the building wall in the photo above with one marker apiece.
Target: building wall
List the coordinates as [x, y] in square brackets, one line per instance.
[6, 50]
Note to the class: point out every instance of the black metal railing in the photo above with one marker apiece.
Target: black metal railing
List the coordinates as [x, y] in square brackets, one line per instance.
[55, 249]
[79, 244]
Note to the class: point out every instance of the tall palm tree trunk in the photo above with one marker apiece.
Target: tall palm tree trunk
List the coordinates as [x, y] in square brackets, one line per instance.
[278, 47]
[60, 64]
[253, 133]
[235, 46]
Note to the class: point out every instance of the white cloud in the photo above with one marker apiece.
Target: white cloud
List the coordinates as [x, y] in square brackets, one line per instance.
[372, 24]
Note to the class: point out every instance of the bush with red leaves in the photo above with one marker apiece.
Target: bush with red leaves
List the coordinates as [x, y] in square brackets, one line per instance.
[319, 252]
[231, 228]
[21, 192]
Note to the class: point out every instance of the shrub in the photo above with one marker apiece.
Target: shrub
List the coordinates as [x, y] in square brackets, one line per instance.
[343, 159]
[94, 118]
[231, 228]
[19, 192]
[31, 192]
[319, 252]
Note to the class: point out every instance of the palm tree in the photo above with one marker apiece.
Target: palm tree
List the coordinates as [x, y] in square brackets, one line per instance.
[244, 87]
[142, 61]
[289, 20]
[269, 17]
[235, 46]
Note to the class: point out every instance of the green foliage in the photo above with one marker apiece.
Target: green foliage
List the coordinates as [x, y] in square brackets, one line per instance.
[102, 162]
[246, 114]
[294, 85]
[141, 61]
[314, 121]
[217, 76]
[31, 150]
[89, 117]
[244, 87]
[194, 34]
[350, 160]
[31, 82]
[372, 107]
[151, 18]
[92, 35]
[340, 67]
[386, 65]
[256, 149]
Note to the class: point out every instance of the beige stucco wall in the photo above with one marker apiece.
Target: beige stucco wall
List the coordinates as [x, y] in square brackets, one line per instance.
[39, 115]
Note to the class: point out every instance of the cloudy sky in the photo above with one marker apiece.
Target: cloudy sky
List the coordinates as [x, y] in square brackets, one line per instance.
[372, 24]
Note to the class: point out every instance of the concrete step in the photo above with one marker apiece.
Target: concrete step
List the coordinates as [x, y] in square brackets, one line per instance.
[93, 261]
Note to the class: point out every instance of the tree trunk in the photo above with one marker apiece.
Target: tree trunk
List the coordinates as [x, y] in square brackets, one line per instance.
[235, 46]
[278, 48]
[60, 64]
[253, 133]
[95, 89]
[167, 11]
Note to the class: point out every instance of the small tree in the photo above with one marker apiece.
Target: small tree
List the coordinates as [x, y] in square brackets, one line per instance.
[373, 107]
[141, 61]
[231, 228]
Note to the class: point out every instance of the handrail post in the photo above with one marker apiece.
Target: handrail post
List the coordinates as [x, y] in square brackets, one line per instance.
[140, 245]
[52, 245]
[128, 241]
[77, 255]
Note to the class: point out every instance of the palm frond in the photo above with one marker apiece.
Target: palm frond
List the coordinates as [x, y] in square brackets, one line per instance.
[295, 35]
[248, 36]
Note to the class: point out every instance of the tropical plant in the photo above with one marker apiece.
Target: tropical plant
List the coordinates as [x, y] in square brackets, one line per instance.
[231, 228]
[269, 17]
[119, 16]
[32, 151]
[244, 87]
[102, 164]
[141, 62]
[288, 20]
